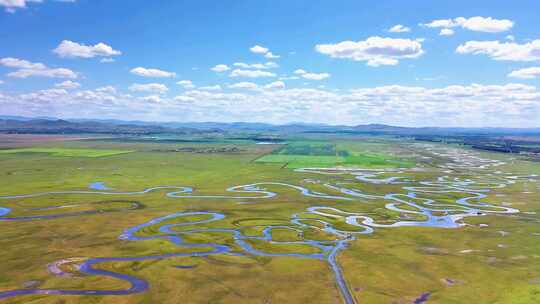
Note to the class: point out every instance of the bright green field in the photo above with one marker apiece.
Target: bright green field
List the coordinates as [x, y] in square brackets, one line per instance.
[300, 154]
[67, 152]
[299, 161]
[394, 265]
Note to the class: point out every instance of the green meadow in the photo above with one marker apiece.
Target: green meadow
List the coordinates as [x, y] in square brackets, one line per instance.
[63, 152]
[476, 263]
[299, 154]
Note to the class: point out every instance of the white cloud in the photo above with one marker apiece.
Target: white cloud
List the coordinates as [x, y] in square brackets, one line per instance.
[70, 49]
[44, 95]
[244, 85]
[488, 25]
[526, 73]
[187, 84]
[183, 98]
[445, 23]
[446, 32]
[27, 69]
[107, 60]
[68, 84]
[257, 49]
[51, 73]
[1, 82]
[316, 76]
[474, 105]
[149, 87]
[258, 66]
[275, 85]
[152, 72]
[106, 89]
[270, 55]
[153, 99]
[477, 24]
[503, 50]
[375, 50]
[242, 65]
[220, 68]
[251, 73]
[399, 28]
[12, 5]
[21, 64]
[216, 87]
[510, 37]
[285, 77]
[430, 78]
[311, 76]
[215, 99]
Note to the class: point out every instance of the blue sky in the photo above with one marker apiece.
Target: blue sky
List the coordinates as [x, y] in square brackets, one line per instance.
[410, 63]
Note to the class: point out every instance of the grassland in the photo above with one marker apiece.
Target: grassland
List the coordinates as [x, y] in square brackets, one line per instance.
[299, 154]
[63, 152]
[388, 266]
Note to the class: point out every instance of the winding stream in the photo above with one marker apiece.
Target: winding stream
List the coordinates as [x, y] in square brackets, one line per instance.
[416, 202]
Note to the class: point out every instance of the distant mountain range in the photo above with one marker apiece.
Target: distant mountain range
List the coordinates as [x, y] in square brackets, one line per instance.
[59, 126]
[49, 125]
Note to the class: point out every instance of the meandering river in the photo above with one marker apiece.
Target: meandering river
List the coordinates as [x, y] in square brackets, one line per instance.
[417, 201]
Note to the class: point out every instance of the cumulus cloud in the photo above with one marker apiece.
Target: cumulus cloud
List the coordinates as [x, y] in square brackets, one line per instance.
[446, 32]
[285, 77]
[311, 76]
[187, 84]
[216, 87]
[183, 98]
[253, 86]
[149, 87]
[375, 51]
[257, 49]
[258, 66]
[244, 85]
[107, 60]
[220, 68]
[488, 25]
[471, 105]
[152, 72]
[251, 73]
[68, 84]
[498, 50]
[526, 73]
[153, 99]
[51, 73]
[477, 24]
[70, 49]
[270, 55]
[12, 5]
[399, 28]
[21, 64]
[44, 95]
[106, 89]
[27, 69]
[275, 85]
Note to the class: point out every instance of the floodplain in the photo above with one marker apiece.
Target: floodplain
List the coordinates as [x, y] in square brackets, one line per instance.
[334, 220]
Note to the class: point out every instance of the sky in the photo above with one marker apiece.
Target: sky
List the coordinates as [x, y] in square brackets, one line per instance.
[405, 63]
